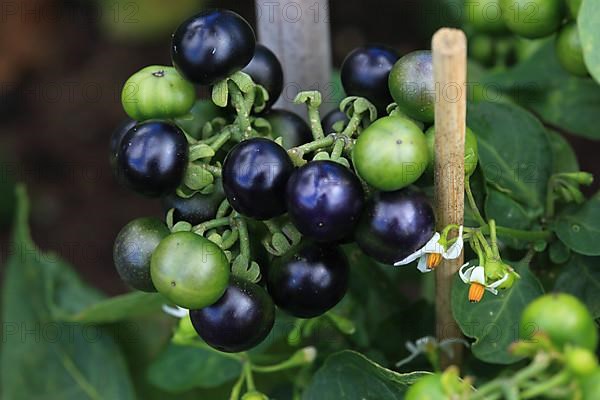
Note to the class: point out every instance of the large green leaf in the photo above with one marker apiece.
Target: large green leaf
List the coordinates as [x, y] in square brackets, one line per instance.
[564, 158]
[514, 151]
[588, 23]
[579, 227]
[351, 376]
[117, 308]
[43, 359]
[541, 85]
[508, 213]
[581, 277]
[181, 368]
[493, 322]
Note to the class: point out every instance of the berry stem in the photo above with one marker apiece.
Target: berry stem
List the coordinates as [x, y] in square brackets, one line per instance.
[473, 203]
[353, 125]
[243, 113]
[200, 229]
[249, 377]
[298, 359]
[244, 237]
[315, 122]
[338, 148]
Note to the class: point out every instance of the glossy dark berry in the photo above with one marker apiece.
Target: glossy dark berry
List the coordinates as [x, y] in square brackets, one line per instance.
[332, 118]
[115, 141]
[133, 250]
[152, 158]
[395, 225]
[290, 127]
[310, 280]
[265, 69]
[324, 200]
[196, 209]
[212, 45]
[241, 319]
[255, 174]
[365, 73]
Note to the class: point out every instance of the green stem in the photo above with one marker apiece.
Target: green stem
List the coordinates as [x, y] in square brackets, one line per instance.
[484, 244]
[315, 145]
[491, 389]
[200, 229]
[221, 139]
[477, 249]
[272, 227]
[473, 203]
[338, 148]
[557, 380]
[353, 125]
[243, 114]
[530, 236]
[493, 238]
[237, 388]
[550, 198]
[249, 377]
[223, 209]
[231, 240]
[300, 358]
[315, 122]
[244, 237]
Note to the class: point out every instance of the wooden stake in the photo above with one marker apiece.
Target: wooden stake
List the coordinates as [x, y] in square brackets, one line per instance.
[298, 32]
[449, 48]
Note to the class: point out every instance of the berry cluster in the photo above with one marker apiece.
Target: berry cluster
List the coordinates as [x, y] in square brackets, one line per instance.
[491, 23]
[251, 220]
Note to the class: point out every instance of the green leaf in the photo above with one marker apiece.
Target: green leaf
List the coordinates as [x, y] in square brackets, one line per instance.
[509, 213]
[564, 158]
[579, 227]
[581, 278]
[118, 308]
[557, 97]
[348, 375]
[514, 151]
[588, 23]
[494, 322]
[42, 358]
[181, 368]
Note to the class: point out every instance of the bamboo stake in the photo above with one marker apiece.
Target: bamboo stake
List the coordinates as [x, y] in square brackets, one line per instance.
[449, 48]
[298, 32]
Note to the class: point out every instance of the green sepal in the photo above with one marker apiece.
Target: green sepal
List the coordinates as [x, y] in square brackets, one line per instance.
[243, 81]
[262, 126]
[169, 219]
[182, 226]
[197, 178]
[200, 151]
[220, 93]
[244, 269]
[313, 98]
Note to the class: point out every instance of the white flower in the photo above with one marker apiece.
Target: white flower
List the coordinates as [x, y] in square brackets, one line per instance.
[432, 253]
[476, 277]
[177, 312]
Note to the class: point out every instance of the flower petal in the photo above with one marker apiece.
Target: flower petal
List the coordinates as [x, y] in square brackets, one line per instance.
[478, 275]
[498, 282]
[431, 243]
[454, 251]
[177, 312]
[465, 276]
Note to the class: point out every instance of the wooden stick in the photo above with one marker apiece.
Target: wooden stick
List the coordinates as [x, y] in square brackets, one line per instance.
[449, 48]
[298, 32]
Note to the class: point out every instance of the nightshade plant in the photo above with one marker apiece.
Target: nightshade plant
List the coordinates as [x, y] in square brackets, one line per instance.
[290, 269]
